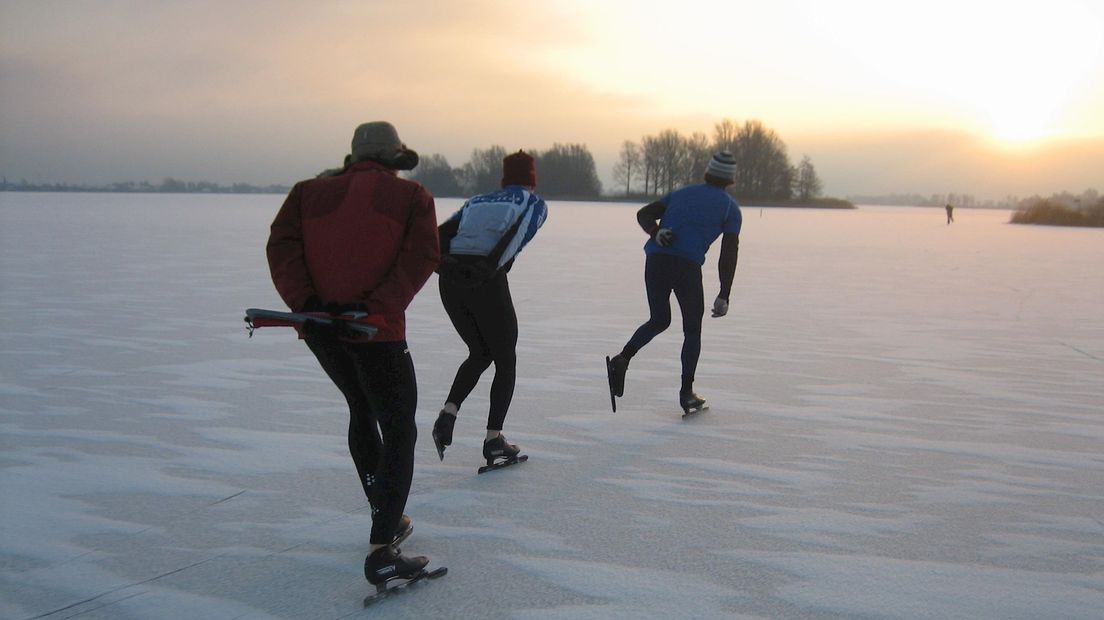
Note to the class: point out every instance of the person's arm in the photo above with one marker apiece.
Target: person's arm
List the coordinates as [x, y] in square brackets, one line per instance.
[417, 258]
[650, 215]
[286, 258]
[726, 265]
[446, 232]
[726, 269]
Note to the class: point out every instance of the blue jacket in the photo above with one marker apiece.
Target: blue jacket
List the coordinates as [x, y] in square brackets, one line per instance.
[697, 214]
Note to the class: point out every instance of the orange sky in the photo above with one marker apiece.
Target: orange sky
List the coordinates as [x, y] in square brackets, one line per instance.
[978, 97]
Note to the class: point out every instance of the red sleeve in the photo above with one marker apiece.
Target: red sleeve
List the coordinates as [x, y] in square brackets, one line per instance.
[286, 258]
[417, 258]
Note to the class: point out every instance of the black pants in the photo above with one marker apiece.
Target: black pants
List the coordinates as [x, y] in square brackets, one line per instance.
[484, 318]
[664, 274]
[377, 380]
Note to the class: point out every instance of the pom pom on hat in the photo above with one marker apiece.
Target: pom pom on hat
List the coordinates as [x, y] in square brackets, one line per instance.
[519, 169]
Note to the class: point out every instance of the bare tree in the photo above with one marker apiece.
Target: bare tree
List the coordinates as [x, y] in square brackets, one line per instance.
[671, 158]
[698, 154]
[762, 166]
[724, 135]
[567, 171]
[484, 172]
[629, 164]
[807, 184]
[435, 174]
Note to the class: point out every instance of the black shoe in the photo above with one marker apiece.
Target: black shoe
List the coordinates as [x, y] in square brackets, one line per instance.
[405, 529]
[691, 402]
[616, 367]
[387, 563]
[442, 432]
[497, 448]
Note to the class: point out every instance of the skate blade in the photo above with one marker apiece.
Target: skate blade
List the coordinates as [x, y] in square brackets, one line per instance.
[609, 379]
[693, 411]
[440, 446]
[402, 536]
[386, 588]
[506, 463]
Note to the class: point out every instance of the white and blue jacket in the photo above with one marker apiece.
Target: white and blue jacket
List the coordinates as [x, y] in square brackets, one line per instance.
[484, 219]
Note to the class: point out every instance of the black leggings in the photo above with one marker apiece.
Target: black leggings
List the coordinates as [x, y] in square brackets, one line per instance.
[664, 273]
[377, 380]
[484, 318]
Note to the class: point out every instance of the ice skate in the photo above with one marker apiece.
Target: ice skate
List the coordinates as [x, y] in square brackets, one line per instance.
[442, 432]
[615, 372]
[691, 403]
[500, 454]
[387, 563]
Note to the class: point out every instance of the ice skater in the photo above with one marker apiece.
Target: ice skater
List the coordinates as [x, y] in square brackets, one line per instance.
[950, 213]
[364, 239]
[681, 226]
[479, 244]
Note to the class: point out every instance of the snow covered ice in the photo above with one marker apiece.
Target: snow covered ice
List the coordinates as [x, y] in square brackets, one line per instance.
[906, 421]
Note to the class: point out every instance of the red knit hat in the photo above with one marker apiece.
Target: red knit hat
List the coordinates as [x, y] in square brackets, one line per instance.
[519, 169]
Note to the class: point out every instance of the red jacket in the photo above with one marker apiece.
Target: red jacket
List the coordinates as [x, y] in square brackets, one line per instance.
[362, 237]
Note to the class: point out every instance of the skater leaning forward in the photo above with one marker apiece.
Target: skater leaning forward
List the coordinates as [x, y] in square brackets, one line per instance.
[363, 239]
[681, 226]
[479, 244]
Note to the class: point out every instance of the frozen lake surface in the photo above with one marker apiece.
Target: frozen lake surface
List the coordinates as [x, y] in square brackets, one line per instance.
[907, 422]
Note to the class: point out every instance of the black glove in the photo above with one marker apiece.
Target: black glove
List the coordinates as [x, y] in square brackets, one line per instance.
[322, 332]
[664, 237]
[720, 307]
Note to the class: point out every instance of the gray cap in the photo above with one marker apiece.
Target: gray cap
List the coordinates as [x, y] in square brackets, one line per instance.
[375, 140]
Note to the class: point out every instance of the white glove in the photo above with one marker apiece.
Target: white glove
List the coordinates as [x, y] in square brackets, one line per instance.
[720, 307]
[665, 237]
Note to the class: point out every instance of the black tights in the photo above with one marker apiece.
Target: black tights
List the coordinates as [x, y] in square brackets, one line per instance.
[377, 380]
[484, 318]
[664, 273]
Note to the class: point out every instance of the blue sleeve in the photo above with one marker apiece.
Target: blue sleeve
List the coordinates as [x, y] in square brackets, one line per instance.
[540, 214]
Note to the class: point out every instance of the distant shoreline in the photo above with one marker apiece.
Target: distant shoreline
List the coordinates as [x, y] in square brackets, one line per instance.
[816, 203]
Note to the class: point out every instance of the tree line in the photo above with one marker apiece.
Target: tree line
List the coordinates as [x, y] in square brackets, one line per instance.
[655, 165]
[565, 171]
[651, 167]
[668, 160]
[167, 186]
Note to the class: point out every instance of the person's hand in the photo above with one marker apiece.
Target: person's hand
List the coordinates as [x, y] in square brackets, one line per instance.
[321, 332]
[720, 307]
[665, 237]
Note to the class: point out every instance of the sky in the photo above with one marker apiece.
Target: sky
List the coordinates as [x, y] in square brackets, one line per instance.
[979, 97]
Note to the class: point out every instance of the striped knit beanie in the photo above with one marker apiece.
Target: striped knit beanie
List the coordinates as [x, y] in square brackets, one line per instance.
[722, 165]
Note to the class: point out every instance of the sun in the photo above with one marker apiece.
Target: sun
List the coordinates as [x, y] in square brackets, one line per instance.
[1016, 129]
[1023, 118]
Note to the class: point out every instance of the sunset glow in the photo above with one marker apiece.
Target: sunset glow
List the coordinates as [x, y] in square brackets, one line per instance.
[271, 95]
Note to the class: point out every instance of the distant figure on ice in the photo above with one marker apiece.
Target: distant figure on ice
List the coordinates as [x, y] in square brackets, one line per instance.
[681, 226]
[950, 213]
[479, 244]
[365, 239]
